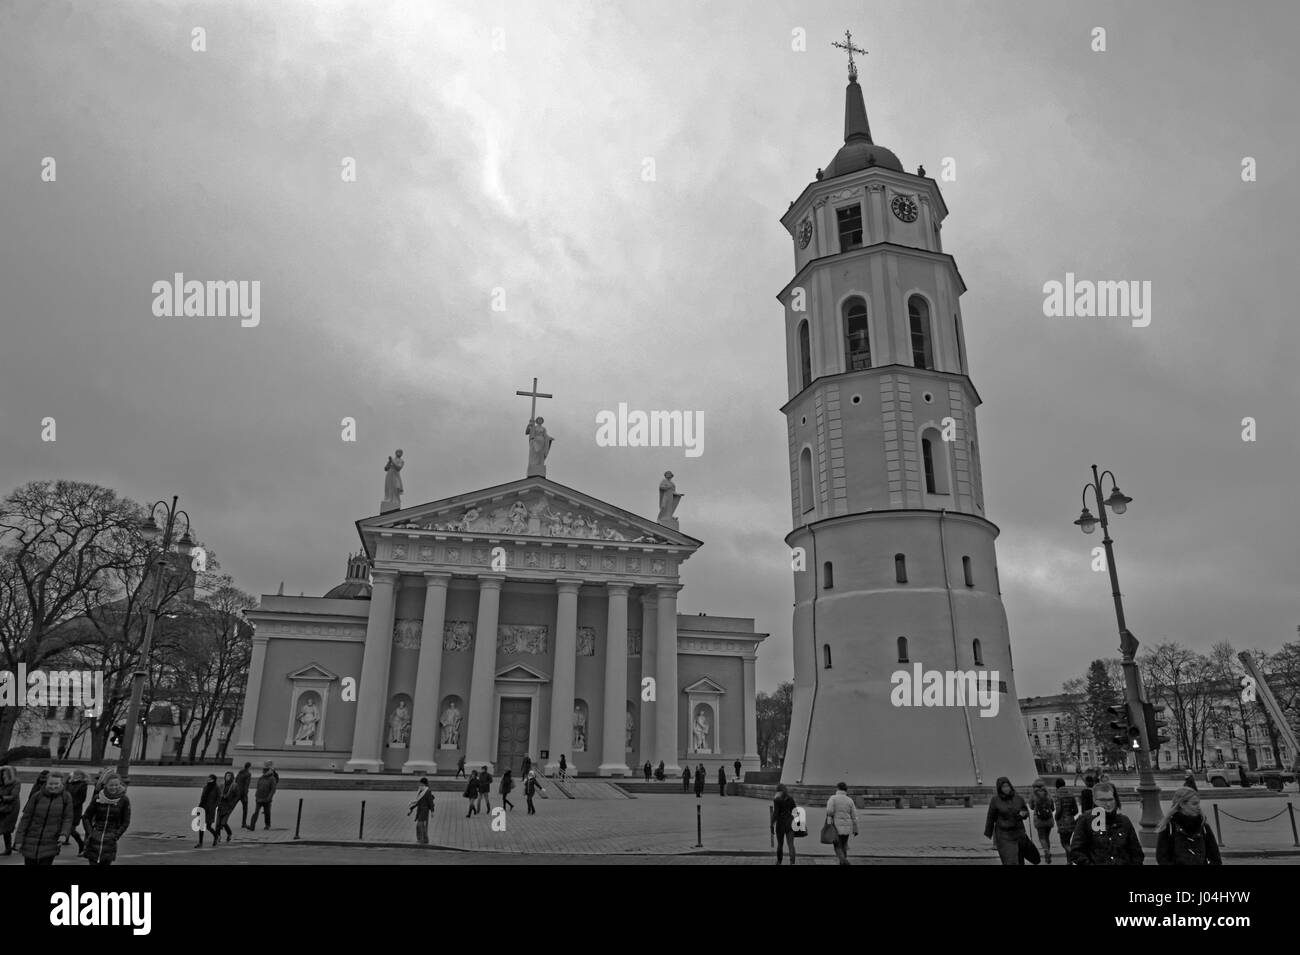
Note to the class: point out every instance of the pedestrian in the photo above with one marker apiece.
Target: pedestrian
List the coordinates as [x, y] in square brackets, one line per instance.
[244, 779]
[485, 789]
[267, 784]
[531, 785]
[1105, 836]
[460, 767]
[781, 821]
[699, 780]
[422, 807]
[11, 791]
[1189, 782]
[39, 785]
[46, 822]
[660, 773]
[106, 819]
[1067, 812]
[78, 784]
[736, 767]
[843, 815]
[564, 766]
[1006, 827]
[647, 770]
[527, 766]
[227, 799]
[1085, 795]
[686, 779]
[208, 800]
[1184, 837]
[471, 792]
[1044, 815]
[722, 781]
[507, 784]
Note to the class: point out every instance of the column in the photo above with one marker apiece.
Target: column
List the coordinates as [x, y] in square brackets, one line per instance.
[666, 690]
[478, 736]
[613, 749]
[428, 676]
[373, 692]
[564, 679]
[253, 693]
[649, 668]
[751, 716]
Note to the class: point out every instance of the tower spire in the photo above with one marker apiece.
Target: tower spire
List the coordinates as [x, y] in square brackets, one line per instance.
[856, 127]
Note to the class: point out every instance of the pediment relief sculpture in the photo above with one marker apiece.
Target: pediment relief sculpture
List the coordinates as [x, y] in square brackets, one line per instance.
[537, 517]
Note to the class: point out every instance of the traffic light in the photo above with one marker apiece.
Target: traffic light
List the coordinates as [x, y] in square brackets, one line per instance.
[1128, 735]
[1153, 716]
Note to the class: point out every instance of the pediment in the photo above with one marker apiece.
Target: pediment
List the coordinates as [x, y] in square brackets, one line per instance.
[313, 671]
[533, 507]
[522, 673]
[704, 685]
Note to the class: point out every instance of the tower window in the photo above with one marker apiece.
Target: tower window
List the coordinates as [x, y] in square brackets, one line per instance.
[857, 340]
[961, 352]
[979, 653]
[828, 576]
[900, 568]
[807, 497]
[934, 457]
[849, 220]
[927, 455]
[918, 313]
[902, 649]
[970, 578]
[826, 656]
[805, 356]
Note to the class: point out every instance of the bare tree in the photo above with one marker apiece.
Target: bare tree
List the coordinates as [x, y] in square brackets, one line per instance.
[1075, 705]
[1183, 680]
[772, 715]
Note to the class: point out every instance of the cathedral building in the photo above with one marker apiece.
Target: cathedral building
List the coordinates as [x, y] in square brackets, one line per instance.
[895, 571]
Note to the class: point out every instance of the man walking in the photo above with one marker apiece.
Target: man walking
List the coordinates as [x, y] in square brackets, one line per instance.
[267, 784]
[460, 767]
[422, 807]
[485, 789]
[243, 780]
[531, 785]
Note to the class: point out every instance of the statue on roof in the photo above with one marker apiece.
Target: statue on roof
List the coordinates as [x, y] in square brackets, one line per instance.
[668, 501]
[539, 446]
[393, 483]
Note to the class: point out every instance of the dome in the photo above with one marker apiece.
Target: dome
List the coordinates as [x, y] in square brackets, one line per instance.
[861, 154]
[357, 584]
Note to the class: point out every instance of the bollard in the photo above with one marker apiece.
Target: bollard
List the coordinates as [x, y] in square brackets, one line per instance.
[1218, 828]
[362, 833]
[1290, 807]
[699, 832]
[298, 825]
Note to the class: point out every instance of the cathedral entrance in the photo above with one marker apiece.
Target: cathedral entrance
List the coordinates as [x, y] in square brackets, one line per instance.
[512, 741]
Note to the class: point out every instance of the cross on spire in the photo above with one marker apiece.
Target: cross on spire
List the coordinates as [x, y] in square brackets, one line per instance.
[848, 45]
[534, 394]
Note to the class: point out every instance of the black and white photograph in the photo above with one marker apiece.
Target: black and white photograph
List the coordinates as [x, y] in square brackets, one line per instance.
[547, 433]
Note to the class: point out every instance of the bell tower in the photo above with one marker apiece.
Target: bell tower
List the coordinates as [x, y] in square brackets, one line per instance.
[895, 567]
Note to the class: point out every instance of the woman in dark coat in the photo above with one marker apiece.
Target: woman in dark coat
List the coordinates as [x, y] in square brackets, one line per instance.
[1044, 818]
[106, 819]
[1005, 823]
[699, 780]
[208, 801]
[1113, 841]
[686, 779]
[648, 770]
[1183, 836]
[471, 792]
[722, 781]
[227, 800]
[78, 784]
[46, 822]
[781, 821]
[660, 773]
[11, 791]
[507, 784]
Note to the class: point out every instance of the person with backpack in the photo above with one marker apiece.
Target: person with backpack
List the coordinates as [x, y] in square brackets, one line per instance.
[1184, 837]
[106, 821]
[471, 792]
[227, 799]
[422, 807]
[531, 785]
[244, 779]
[781, 822]
[208, 800]
[507, 784]
[46, 822]
[1067, 812]
[1105, 836]
[1044, 816]
[11, 791]
[1005, 824]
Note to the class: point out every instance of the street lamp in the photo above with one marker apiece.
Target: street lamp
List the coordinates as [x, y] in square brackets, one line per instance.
[1118, 502]
[157, 567]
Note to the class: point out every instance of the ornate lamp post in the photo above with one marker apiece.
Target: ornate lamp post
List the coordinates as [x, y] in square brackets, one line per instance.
[1118, 502]
[157, 568]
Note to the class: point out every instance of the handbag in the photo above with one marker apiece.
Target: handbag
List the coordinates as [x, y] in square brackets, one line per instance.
[829, 833]
[1028, 851]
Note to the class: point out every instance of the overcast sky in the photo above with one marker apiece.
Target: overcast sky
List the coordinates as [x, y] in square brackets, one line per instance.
[521, 169]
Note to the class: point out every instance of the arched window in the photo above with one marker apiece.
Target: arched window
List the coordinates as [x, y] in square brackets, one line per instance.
[900, 568]
[805, 356]
[979, 654]
[970, 579]
[927, 459]
[806, 490]
[826, 656]
[902, 649]
[1035, 723]
[934, 461]
[857, 339]
[918, 314]
[828, 576]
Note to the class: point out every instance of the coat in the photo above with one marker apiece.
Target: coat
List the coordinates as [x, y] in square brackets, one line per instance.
[243, 779]
[1117, 844]
[1039, 803]
[1006, 816]
[1187, 841]
[781, 816]
[423, 806]
[10, 805]
[46, 822]
[471, 788]
[106, 820]
[208, 800]
[77, 790]
[227, 798]
[485, 783]
[267, 784]
[507, 784]
[841, 812]
[699, 782]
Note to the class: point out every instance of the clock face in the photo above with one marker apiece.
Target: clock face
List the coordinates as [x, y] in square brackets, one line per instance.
[904, 207]
[805, 233]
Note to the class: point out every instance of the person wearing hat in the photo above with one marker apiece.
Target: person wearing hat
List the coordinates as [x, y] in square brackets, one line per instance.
[11, 791]
[531, 785]
[46, 822]
[106, 820]
[267, 784]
